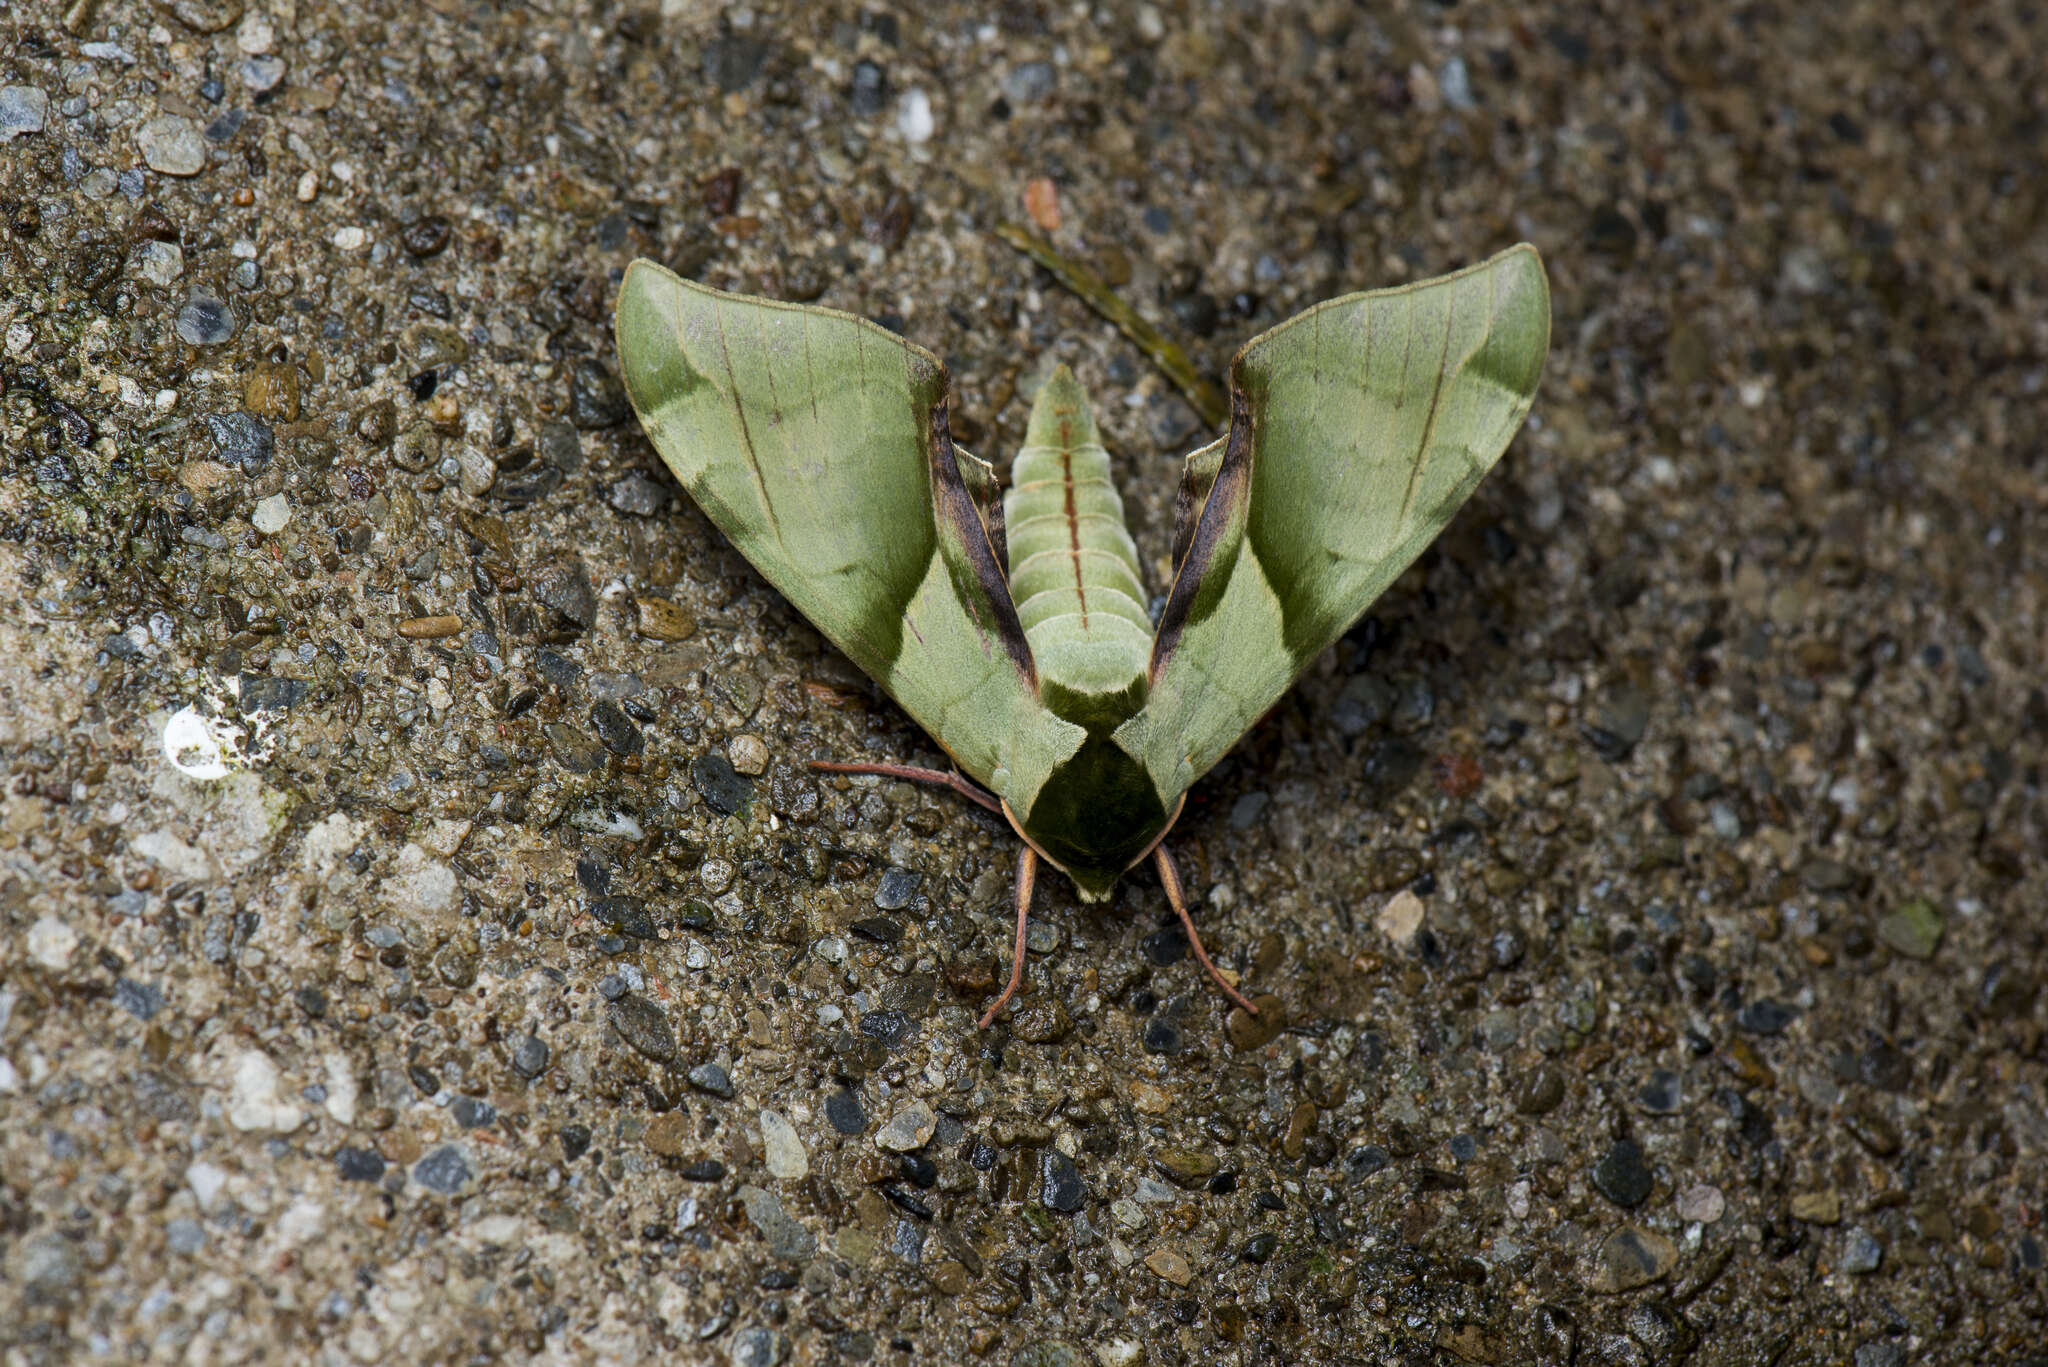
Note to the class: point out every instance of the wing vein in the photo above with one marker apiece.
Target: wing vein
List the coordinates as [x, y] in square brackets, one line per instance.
[739, 412]
[1436, 397]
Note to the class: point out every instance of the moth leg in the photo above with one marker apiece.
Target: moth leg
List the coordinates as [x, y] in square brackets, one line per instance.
[1169, 876]
[1027, 874]
[957, 782]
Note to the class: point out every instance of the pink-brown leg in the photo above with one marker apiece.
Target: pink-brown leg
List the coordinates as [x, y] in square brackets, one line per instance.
[911, 774]
[1170, 877]
[1027, 874]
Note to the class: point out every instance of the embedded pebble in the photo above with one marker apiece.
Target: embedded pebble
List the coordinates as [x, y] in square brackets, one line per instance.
[1629, 1258]
[785, 1153]
[1401, 918]
[1861, 1252]
[271, 515]
[446, 1170]
[787, 1237]
[1701, 1203]
[160, 263]
[205, 321]
[254, 1100]
[51, 942]
[1171, 1265]
[643, 1025]
[748, 754]
[1622, 1176]
[530, 1057]
[23, 109]
[172, 145]
[910, 1128]
[711, 1078]
[262, 74]
[1913, 929]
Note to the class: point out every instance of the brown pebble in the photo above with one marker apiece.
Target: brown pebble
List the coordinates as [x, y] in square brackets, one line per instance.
[429, 628]
[1150, 1100]
[1742, 1059]
[1169, 1265]
[1189, 1168]
[1247, 1031]
[1044, 1020]
[1300, 1126]
[272, 391]
[202, 477]
[660, 620]
[668, 1134]
[948, 1277]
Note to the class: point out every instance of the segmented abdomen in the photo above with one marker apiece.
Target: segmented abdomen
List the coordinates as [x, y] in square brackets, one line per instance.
[1073, 566]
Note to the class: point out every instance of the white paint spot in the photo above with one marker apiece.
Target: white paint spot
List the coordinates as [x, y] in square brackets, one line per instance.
[193, 747]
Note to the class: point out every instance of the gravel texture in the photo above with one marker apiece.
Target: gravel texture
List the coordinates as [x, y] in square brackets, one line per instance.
[421, 940]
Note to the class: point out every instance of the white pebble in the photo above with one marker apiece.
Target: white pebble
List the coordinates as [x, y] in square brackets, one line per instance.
[1401, 918]
[914, 117]
[785, 1148]
[271, 515]
[350, 239]
[51, 942]
[253, 1100]
[256, 35]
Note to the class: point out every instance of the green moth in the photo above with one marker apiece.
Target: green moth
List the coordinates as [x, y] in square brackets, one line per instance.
[1012, 626]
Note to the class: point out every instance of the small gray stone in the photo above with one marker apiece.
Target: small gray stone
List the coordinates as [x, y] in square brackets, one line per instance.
[446, 1170]
[636, 495]
[1861, 1252]
[23, 109]
[1629, 1258]
[897, 888]
[1029, 81]
[241, 439]
[844, 1110]
[530, 1057]
[1060, 1184]
[786, 1237]
[205, 321]
[596, 398]
[1765, 1016]
[140, 1000]
[910, 1128]
[709, 1077]
[566, 588]
[185, 1236]
[172, 145]
[1880, 1353]
[643, 1025]
[1455, 84]
[48, 1267]
[757, 1347]
[262, 73]
[1622, 1176]
[1662, 1094]
[723, 788]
